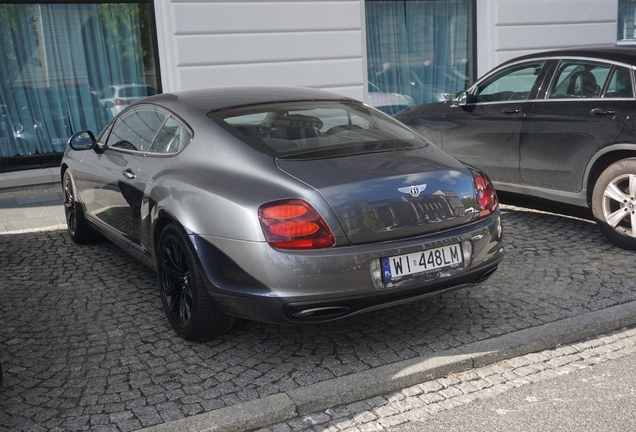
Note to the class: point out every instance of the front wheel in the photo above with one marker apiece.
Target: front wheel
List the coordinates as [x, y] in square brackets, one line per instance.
[191, 311]
[614, 203]
[79, 230]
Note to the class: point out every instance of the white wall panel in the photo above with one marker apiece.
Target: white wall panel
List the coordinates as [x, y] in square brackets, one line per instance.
[526, 37]
[510, 28]
[327, 74]
[212, 18]
[539, 12]
[266, 48]
[318, 44]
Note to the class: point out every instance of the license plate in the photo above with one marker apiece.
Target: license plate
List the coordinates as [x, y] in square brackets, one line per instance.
[420, 262]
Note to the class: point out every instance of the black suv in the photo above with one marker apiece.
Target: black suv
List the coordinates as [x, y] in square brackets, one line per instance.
[557, 125]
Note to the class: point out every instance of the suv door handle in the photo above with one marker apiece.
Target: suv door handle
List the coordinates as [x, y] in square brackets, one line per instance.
[128, 174]
[510, 111]
[601, 111]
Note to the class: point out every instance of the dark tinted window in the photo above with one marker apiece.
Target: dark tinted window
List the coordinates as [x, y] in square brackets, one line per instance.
[316, 128]
[620, 84]
[579, 79]
[172, 138]
[136, 129]
[512, 83]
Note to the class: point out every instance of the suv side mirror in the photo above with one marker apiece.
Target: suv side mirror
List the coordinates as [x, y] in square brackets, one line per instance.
[460, 99]
[84, 140]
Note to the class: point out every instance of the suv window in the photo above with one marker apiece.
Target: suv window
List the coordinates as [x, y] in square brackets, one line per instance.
[578, 79]
[512, 83]
[136, 129]
[620, 84]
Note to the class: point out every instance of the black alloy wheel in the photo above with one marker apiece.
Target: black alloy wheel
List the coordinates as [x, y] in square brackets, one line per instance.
[191, 311]
[614, 203]
[78, 228]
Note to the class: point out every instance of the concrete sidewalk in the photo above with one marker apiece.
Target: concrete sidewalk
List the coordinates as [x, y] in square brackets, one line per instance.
[397, 376]
[32, 208]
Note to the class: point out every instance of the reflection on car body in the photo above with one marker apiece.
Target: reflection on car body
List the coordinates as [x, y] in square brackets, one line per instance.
[556, 125]
[279, 205]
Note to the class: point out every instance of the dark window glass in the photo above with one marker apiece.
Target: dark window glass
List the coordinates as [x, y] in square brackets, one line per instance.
[620, 84]
[316, 129]
[172, 138]
[136, 129]
[579, 79]
[418, 51]
[60, 65]
[512, 83]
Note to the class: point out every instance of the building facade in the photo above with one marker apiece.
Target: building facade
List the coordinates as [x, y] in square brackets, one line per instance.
[70, 66]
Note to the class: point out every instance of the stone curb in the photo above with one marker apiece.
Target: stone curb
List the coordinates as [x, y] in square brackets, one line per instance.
[362, 385]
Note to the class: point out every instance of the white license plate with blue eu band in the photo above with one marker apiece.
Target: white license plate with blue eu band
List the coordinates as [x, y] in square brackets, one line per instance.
[419, 262]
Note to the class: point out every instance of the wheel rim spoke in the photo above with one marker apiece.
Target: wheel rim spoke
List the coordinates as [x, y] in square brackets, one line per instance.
[176, 284]
[69, 205]
[615, 218]
[614, 193]
[618, 204]
[632, 233]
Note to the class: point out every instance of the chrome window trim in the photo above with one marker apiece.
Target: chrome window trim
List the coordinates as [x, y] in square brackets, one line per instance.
[558, 59]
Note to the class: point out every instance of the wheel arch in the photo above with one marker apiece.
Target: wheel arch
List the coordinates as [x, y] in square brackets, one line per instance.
[603, 159]
[63, 169]
[162, 220]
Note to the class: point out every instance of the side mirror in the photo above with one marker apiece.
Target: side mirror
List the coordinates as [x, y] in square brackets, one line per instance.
[460, 99]
[109, 105]
[84, 140]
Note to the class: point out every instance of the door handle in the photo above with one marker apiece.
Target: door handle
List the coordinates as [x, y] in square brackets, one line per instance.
[129, 174]
[510, 111]
[601, 111]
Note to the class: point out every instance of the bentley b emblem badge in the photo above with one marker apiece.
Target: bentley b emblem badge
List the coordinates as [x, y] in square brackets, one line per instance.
[414, 191]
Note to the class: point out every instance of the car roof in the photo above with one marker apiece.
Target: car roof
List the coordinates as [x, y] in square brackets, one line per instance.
[616, 53]
[214, 99]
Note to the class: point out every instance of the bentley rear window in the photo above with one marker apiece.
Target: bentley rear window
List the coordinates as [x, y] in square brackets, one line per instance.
[316, 129]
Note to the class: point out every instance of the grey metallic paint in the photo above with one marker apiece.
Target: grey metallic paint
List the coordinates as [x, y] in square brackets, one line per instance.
[214, 187]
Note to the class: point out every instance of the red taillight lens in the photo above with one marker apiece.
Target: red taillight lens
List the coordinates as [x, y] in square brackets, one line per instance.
[294, 224]
[119, 102]
[486, 194]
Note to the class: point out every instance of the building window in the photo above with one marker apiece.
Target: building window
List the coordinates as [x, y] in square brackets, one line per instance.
[625, 27]
[418, 51]
[67, 67]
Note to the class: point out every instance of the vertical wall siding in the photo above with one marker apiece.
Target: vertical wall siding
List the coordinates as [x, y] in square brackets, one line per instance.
[509, 28]
[210, 43]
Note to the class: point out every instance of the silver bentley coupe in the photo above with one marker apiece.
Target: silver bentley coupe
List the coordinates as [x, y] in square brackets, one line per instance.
[278, 204]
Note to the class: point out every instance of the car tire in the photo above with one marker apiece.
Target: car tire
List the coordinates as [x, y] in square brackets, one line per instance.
[78, 228]
[614, 203]
[190, 309]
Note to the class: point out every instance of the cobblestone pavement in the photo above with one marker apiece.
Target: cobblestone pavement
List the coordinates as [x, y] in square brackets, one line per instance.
[84, 343]
[416, 404]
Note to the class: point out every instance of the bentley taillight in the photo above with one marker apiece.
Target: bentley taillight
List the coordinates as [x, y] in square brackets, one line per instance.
[486, 194]
[294, 224]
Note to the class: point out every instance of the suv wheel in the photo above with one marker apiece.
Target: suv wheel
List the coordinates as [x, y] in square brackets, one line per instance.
[614, 203]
